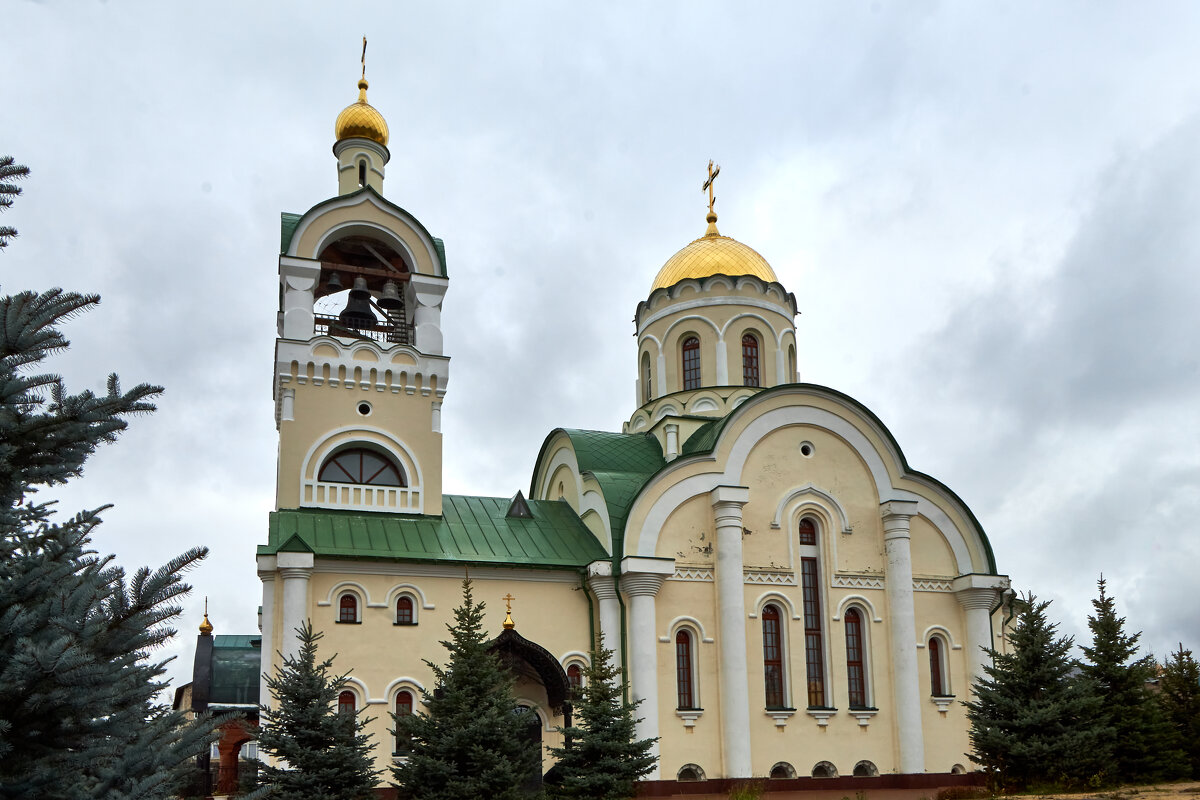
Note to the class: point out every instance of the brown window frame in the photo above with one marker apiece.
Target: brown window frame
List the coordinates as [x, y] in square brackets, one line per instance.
[685, 679]
[814, 650]
[401, 611]
[773, 683]
[690, 350]
[347, 603]
[750, 361]
[347, 702]
[856, 679]
[343, 462]
[937, 683]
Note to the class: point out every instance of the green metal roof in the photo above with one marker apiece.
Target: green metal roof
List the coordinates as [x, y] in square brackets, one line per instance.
[471, 530]
[236, 665]
[621, 463]
[291, 221]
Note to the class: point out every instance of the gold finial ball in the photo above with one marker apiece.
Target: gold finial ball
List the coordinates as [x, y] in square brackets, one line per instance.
[206, 627]
[360, 120]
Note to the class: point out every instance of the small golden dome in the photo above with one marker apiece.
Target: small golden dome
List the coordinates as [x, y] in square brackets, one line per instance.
[206, 627]
[713, 254]
[360, 120]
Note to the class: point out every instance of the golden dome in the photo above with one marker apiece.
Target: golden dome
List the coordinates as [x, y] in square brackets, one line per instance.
[713, 254]
[360, 120]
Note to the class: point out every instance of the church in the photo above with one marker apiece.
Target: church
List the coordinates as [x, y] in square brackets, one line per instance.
[787, 596]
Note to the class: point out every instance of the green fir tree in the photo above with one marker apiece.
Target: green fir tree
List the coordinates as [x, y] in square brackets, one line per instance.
[470, 741]
[1128, 710]
[1180, 701]
[602, 757]
[1032, 723]
[9, 171]
[325, 753]
[79, 688]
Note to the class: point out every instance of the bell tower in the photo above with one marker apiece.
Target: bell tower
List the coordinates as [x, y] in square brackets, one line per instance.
[360, 375]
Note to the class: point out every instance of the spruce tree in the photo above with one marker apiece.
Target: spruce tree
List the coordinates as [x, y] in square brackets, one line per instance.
[1032, 723]
[79, 710]
[470, 741]
[9, 171]
[1128, 710]
[1180, 701]
[602, 757]
[325, 753]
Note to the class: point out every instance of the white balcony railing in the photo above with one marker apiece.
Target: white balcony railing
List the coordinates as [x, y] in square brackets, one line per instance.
[360, 497]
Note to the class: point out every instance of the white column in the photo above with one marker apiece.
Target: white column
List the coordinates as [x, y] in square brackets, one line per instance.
[727, 502]
[601, 582]
[287, 405]
[640, 581]
[435, 421]
[266, 573]
[295, 569]
[672, 431]
[977, 594]
[903, 629]
[722, 363]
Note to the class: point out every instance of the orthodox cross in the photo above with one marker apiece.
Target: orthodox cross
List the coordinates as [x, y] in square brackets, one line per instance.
[508, 620]
[708, 184]
[364, 58]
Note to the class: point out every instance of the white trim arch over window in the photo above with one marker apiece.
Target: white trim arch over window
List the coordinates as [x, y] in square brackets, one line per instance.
[338, 588]
[316, 493]
[348, 610]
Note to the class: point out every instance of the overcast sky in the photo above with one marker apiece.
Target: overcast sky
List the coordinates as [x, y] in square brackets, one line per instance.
[989, 214]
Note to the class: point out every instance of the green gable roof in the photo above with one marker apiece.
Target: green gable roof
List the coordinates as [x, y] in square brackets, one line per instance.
[472, 530]
[287, 229]
[621, 463]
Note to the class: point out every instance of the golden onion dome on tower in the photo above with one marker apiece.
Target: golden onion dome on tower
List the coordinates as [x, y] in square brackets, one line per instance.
[360, 120]
[713, 254]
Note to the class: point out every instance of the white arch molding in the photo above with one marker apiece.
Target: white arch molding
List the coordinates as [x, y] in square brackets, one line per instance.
[774, 597]
[405, 588]
[364, 597]
[393, 446]
[856, 600]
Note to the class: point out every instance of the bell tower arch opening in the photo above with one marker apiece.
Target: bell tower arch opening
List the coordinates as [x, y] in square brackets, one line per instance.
[362, 291]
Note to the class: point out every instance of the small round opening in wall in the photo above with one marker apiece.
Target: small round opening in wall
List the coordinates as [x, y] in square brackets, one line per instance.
[364, 408]
[807, 449]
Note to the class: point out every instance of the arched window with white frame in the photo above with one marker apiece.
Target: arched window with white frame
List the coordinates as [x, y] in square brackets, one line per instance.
[404, 704]
[939, 673]
[773, 657]
[347, 703]
[751, 374]
[362, 466]
[685, 670]
[406, 610]
[814, 635]
[348, 607]
[690, 352]
[647, 387]
[856, 672]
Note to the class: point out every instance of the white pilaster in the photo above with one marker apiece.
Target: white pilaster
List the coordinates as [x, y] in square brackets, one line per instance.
[428, 293]
[722, 363]
[287, 405]
[436, 416]
[897, 515]
[780, 367]
[727, 502]
[295, 569]
[672, 432]
[298, 277]
[977, 594]
[266, 573]
[640, 581]
[601, 582]
[661, 369]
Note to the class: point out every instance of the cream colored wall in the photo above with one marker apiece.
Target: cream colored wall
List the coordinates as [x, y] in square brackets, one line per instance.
[378, 652]
[931, 553]
[322, 409]
[946, 738]
[312, 235]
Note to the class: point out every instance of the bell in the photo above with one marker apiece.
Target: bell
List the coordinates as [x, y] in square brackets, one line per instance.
[389, 298]
[358, 313]
[334, 284]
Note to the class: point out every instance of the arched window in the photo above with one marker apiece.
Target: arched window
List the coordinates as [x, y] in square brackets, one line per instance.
[791, 363]
[691, 363]
[689, 772]
[685, 684]
[346, 703]
[362, 466]
[824, 769]
[647, 389]
[772, 657]
[856, 683]
[937, 667]
[575, 676]
[782, 771]
[362, 173]
[750, 360]
[404, 611]
[865, 769]
[348, 608]
[814, 649]
[404, 707]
